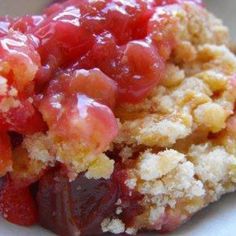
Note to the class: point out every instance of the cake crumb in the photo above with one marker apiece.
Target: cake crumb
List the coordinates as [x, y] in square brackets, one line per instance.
[154, 166]
[115, 226]
[102, 167]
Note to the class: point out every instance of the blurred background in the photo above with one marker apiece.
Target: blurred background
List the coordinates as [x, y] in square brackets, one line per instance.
[226, 10]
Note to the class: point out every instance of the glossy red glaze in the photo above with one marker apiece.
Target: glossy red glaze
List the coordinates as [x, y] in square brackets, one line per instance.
[109, 35]
[80, 118]
[92, 83]
[114, 36]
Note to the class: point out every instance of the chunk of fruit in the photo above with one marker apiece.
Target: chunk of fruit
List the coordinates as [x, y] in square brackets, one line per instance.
[5, 154]
[79, 206]
[62, 37]
[127, 20]
[162, 30]
[78, 117]
[17, 205]
[142, 69]
[105, 55]
[136, 68]
[92, 83]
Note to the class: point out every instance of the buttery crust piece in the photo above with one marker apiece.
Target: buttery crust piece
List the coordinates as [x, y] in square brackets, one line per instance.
[186, 155]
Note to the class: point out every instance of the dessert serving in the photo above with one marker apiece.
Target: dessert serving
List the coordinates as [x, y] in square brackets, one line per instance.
[116, 116]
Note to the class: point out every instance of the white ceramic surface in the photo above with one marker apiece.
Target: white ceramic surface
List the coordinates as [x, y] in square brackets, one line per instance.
[226, 10]
[219, 219]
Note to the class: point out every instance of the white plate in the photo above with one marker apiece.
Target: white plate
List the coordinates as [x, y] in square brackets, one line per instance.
[219, 219]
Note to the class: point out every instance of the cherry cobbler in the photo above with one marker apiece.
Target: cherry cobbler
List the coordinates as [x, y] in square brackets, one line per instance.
[116, 116]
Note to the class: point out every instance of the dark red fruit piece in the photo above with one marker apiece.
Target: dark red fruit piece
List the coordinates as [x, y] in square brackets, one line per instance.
[79, 206]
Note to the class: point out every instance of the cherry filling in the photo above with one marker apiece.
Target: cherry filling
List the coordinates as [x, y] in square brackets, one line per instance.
[80, 206]
[65, 71]
[121, 38]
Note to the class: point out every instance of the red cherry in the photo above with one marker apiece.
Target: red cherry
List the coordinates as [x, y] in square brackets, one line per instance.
[79, 206]
[62, 37]
[78, 117]
[17, 205]
[143, 69]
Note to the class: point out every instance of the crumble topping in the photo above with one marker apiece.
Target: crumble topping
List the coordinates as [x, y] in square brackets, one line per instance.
[115, 226]
[211, 163]
[102, 167]
[7, 103]
[41, 147]
[38, 147]
[153, 166]
[165, 157]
